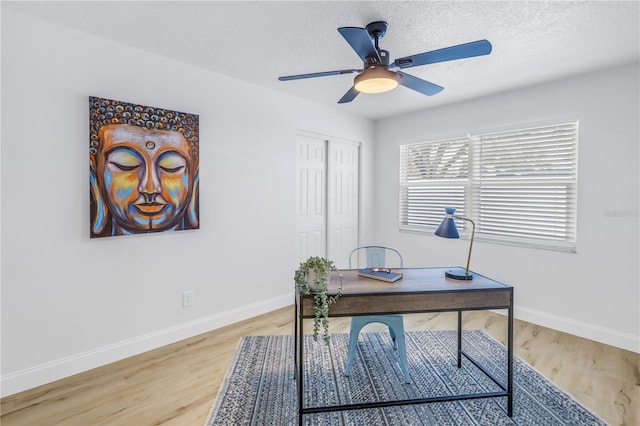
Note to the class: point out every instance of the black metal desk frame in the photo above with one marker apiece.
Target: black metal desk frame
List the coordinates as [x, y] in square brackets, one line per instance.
[421, 290]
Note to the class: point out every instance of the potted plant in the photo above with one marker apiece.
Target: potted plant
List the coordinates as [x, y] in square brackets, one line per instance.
[312, 277]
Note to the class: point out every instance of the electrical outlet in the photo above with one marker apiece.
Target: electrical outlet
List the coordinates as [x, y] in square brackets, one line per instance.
[187, 299]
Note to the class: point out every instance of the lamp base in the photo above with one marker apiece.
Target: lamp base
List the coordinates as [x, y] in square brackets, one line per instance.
[458, 274]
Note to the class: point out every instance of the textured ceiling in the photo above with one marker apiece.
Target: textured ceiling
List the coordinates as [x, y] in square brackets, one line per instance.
[533, 41]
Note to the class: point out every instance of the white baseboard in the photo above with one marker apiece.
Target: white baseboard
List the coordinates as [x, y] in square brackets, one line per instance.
[55, 370]
[604, 335]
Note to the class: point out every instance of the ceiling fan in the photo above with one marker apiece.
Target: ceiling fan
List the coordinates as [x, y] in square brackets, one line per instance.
[376, 75]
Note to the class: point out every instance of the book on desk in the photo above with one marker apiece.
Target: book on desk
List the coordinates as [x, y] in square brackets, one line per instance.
[382, 274]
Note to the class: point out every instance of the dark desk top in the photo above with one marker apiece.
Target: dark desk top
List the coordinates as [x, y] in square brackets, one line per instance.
[419, 290]
[414, 280]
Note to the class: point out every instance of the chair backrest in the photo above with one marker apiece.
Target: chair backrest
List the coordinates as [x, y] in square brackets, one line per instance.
[376, 256]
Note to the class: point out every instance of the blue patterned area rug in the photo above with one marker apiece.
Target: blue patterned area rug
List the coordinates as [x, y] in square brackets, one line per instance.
[260, 390]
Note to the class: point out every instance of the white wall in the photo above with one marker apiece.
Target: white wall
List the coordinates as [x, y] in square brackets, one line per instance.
[592, 293]
[70, 303]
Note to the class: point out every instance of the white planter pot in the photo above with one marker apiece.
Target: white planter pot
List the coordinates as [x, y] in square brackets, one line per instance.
[311, 278]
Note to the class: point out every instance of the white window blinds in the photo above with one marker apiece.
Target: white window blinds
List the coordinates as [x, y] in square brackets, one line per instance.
[519, 186]
[433, 176]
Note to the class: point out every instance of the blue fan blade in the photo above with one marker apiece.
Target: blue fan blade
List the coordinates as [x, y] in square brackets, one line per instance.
[316, 74]
[349, 96]
[418, 84]
[360, 41]
[461, 51]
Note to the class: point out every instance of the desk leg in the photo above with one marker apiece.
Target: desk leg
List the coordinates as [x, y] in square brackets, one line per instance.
[459, 339]
[300, 361]
[510, 358]
[295, 339]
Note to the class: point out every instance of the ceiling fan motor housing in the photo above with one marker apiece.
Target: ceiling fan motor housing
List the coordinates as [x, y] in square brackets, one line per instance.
[384, 59]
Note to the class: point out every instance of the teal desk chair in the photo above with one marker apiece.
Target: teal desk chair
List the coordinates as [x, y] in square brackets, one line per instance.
[376, 257]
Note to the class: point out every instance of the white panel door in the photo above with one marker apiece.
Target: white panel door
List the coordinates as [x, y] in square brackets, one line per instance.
[342, 200]
[311, 215]
[327, 198]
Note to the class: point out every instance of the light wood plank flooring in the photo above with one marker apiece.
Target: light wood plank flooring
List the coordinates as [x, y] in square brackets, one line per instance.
[176, 384]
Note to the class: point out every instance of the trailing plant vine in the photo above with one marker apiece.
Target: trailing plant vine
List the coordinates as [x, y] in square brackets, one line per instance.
[317, 270]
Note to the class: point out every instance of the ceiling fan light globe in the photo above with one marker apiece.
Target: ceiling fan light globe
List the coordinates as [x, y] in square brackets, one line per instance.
[376, 80]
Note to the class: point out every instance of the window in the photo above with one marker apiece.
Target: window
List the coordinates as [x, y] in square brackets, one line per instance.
[519, 187]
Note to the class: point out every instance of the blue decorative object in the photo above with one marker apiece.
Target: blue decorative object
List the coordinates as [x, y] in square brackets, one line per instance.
[382, 274]
[448, 229]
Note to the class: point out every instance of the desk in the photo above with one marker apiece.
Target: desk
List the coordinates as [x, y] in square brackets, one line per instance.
[420, 290]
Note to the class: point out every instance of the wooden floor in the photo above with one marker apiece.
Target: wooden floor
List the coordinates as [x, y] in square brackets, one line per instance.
[177, 384]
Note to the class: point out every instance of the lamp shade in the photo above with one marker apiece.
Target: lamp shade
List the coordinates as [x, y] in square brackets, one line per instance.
[447, 228]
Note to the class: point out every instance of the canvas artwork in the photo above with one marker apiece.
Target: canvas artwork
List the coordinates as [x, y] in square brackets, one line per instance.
[144, 168]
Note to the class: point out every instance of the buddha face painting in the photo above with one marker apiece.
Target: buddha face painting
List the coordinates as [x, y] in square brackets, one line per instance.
[143, 169]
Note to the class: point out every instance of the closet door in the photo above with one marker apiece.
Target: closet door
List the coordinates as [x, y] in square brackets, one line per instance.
[342, 201]
[327, 197]
[311, 198]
